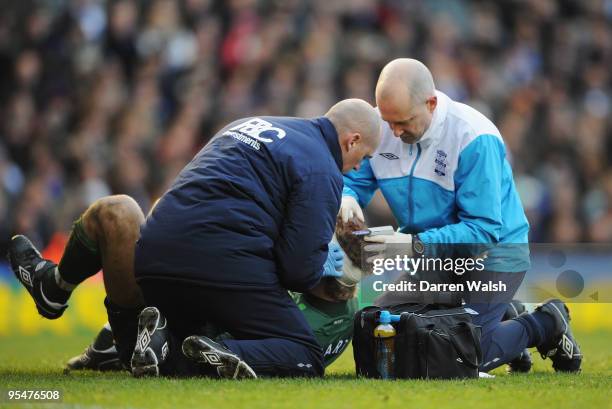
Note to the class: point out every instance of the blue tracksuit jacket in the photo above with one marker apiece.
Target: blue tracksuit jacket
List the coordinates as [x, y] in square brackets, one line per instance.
[255, 208]
[454, 186]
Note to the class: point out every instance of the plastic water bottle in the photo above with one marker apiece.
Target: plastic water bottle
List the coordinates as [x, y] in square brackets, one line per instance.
[384, 335]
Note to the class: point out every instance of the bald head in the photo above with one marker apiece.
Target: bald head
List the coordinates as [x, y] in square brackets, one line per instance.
[356, 115]
[406, 98]
[405, 77]
[358, 127]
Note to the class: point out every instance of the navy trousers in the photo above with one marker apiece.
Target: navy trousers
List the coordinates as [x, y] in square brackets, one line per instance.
[270, 332]
[501, 341]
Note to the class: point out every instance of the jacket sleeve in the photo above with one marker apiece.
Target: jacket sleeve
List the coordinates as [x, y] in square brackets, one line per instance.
[478, 182]
[361, 184]
[308, 227]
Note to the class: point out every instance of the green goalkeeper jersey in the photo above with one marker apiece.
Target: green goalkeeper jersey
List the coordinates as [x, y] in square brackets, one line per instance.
[331, 322]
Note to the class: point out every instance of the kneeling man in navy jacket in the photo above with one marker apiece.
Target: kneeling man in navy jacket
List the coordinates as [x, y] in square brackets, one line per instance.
[250, 217]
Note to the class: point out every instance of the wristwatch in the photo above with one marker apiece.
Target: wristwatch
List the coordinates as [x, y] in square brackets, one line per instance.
[418, 248]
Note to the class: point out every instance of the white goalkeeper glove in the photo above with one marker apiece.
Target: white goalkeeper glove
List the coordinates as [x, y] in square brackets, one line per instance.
[350, 208]
[388, 246]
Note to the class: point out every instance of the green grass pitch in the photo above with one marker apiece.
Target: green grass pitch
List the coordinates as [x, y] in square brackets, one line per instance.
[36, 362]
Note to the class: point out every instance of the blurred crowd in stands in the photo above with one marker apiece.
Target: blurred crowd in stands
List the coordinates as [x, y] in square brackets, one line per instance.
[101, 97]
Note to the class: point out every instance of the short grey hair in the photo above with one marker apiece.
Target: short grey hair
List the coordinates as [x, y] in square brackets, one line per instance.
[356, 115]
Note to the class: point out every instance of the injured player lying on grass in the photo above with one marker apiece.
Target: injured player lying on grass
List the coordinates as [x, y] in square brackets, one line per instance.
[104, 237]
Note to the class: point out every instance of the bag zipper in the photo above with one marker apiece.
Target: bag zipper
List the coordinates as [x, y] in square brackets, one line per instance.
[427, 354]
[437, 315]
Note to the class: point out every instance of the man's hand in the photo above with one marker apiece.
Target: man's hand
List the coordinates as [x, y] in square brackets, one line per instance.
[335, 261]
[350, 208]
[388, 246]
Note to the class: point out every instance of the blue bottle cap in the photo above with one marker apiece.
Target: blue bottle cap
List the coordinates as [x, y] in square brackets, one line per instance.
[385, 317]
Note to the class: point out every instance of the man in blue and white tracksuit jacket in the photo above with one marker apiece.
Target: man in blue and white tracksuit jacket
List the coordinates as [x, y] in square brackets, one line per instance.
[453, 186]
[443, 169]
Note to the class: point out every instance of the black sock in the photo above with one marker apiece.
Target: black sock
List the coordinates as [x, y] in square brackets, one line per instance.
[547, 322]
[104, 340]
[124, 324]
[51, 289]
[81, 257]
[540, 327]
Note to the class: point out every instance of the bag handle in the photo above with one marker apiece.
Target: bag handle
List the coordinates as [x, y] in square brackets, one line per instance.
[459, 350]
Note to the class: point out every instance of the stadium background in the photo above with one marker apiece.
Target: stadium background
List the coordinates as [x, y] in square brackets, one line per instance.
[101, 97]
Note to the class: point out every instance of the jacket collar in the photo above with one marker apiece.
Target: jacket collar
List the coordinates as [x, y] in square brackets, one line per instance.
[437, 121]
[330, 136]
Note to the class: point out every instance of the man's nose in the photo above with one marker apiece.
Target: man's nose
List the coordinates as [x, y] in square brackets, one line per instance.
[396, 131]
[357, 166]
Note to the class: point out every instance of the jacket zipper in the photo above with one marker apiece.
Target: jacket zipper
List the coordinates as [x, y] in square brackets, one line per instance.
[410, 201]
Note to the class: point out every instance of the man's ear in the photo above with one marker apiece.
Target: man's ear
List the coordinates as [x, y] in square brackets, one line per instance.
[432, 103]
[354, 139]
